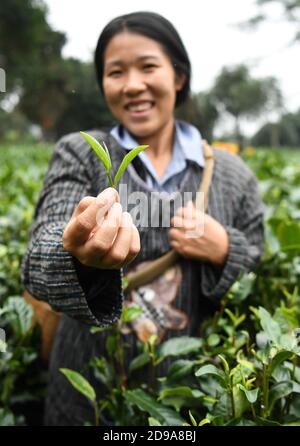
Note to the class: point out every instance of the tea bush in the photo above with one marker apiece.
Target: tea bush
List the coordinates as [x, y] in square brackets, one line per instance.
[244, 369]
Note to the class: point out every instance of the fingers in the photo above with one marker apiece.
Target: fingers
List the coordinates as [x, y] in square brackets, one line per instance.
[82, 205]
[87, 213]
[183, 223]
[187, 212]
[102, 240]
[176, 235]
[125, 247]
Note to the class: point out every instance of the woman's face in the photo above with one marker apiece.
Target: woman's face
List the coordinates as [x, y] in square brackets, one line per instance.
[139, 83]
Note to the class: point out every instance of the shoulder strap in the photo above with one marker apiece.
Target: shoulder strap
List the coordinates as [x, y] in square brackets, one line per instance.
[160, 265]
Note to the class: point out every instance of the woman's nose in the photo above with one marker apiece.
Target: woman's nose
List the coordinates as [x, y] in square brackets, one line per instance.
[134, 83]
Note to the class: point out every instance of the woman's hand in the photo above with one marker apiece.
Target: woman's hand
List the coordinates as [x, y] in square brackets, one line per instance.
[100, 234]
[212, 243]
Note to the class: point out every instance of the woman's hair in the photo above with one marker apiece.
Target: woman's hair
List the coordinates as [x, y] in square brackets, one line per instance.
[156, 27]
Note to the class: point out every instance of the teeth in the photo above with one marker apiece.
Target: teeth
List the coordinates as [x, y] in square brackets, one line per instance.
[140, 107]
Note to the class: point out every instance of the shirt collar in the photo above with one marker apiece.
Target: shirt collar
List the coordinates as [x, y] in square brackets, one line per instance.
[187, 139]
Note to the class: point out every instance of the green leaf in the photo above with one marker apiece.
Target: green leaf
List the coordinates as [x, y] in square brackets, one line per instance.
[95, 329]
[204, 421]
[183, 391]
[19, 314]
[146, 403]
[280, 390]
[240, 422]
[139, 361]
[194, 422]
[107, 152]
[225, 363]
[180, 346]
[289, 235]
[289, 342]
[130, 313]
[242, 288]
[210, 369]
[127, 160]
[278, 359]
[153, 422]
[281, 373]
[251, 395]
[99, 150]
[3, 346]
[3, 250]
[213, 340]
[270, 327]
[264, 422]
[179, 370]
[6, 417]
[80, 383]
[179, 397]
[111, 344]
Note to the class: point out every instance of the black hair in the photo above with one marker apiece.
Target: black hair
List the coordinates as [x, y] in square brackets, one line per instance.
[156, 27]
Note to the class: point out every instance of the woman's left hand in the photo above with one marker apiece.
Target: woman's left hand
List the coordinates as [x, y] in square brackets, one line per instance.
[210, 244]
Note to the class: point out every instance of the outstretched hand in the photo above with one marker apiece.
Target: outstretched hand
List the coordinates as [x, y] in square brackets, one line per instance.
[100, 234]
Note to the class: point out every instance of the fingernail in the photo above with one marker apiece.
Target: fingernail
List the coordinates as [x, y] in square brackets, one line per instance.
[117, 206]
[126, 220]
[101, 201]
[106, 196]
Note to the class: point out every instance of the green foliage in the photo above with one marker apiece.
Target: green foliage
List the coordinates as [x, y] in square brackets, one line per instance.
[290, 11]
[58, 94]
[80, 383]
[20, 382]
[104, 157]
[200, 110]
[22, 376]
[285, 132]
[242, 96]
[244, 370]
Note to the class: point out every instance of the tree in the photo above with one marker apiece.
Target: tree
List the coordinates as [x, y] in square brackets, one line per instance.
[85, 107]
[285, 132]
[26, 40]
[60, 95]
[201, 111]
[290, 12]
[237, 93]
[30, 53]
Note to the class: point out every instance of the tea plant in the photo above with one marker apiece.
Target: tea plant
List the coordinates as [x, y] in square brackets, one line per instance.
[22, 376]
[243, 369]
[103, 154]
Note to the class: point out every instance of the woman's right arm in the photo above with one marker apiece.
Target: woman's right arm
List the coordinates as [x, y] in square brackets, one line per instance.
[60, 266]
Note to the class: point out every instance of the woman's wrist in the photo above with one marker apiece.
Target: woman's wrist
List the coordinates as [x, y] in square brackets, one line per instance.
[220, 254]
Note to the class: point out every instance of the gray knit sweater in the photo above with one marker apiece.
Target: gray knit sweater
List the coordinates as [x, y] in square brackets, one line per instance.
[90, 296]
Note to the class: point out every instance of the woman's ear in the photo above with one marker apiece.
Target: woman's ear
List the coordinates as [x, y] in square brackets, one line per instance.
[180, 80]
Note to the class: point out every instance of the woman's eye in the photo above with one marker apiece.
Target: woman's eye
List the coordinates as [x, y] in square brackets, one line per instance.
[115, 73]
[148, 66]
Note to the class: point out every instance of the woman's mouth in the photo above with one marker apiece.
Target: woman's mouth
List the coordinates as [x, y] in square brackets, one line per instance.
[139, 110]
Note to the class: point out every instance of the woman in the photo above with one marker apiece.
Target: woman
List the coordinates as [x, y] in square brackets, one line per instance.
[76, 265]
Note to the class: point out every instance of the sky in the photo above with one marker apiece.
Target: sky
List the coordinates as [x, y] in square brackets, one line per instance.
[208, 30]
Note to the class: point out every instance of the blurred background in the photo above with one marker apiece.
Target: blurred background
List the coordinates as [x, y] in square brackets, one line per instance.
[244, 57]
[245, 98]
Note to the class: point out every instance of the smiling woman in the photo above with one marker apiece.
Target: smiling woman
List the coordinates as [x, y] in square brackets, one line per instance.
[141, 94]
[76, 263]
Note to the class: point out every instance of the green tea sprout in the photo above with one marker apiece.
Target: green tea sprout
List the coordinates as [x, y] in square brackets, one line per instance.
[104, 156]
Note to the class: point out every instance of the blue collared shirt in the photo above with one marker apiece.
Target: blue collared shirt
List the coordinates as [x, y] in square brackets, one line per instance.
[187, 146]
